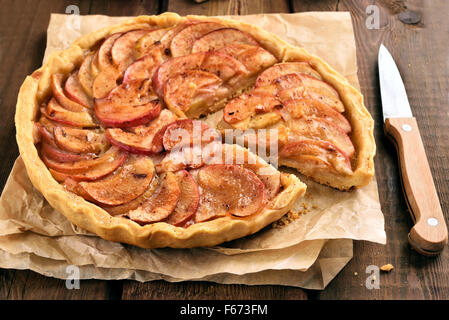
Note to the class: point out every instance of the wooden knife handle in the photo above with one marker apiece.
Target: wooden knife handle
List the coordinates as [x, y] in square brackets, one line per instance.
[429, 234]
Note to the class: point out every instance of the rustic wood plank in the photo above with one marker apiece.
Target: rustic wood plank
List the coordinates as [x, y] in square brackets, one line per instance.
[313, 5]
[422, 58]
[196, 290]
[231, 7]
[29, 285]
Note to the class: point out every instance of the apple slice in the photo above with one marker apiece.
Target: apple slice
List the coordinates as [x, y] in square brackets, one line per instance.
[227, 188]
[254, 58]
[81, 166]
[104, 53]
[94, 67]
[313, 156]
[124, 208]
[221, 38]
[124, 185]
[54, 111]
[188, 132]
[105, 82]
[188, 200]
[90, 173]
[75, 91]
[183, 41]
[223, 66]
[58, 93]
[309, 107]
[51, 152]
[130, 104]
[145, 67]
[80, 140]
[194, 90]
[123, 49]
[248, 104]
[271, 74]
[161, 203]
[145, 139]
[85, 75]
[145, 44]
[322, 129]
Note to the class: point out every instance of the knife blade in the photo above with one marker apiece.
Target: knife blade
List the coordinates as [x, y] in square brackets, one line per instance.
[429, 234]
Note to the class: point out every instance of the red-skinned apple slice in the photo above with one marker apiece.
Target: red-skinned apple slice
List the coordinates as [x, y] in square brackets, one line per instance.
[247, 104]
[58, 93]
[254, 58]
[192, 90]
[91, 173]
[82, 166]
[182, 43]
[145, 139]
[104, 53]
[105, 82]
[145, 44]
[54, 111]
[230, 189]
[80, 140]
[223, 66]
[45, 133]
[145, 67]
[308, 107]
[85, 75]
[130, 104]
[316, 155]
[271, 74]
[161, 203]
[56, 154]
[124, 185]
[221, 38]
[294, 80]
[309, 94]
[322, 129]
[76, 92]
[123, 49]
[188, 132]
[188, 200]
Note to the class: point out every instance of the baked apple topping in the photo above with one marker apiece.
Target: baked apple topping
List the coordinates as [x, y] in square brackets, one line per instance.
[125, 130]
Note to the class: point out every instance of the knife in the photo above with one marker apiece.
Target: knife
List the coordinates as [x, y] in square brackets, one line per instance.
[429, 233]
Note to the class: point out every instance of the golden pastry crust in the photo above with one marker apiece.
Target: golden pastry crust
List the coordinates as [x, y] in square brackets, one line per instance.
[84, 214]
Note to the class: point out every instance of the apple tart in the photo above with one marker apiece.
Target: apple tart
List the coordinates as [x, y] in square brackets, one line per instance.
[112, 130]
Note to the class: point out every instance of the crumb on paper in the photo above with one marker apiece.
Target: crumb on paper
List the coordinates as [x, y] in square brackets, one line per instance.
[387, 267]
[356, 273]
[286, 219]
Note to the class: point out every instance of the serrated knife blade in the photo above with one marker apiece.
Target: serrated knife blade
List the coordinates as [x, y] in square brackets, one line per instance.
[394, 97]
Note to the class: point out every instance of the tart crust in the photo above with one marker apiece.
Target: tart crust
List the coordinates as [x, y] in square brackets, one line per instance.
[84, 214]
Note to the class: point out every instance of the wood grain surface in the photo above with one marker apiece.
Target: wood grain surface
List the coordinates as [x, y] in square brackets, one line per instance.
[422, 55]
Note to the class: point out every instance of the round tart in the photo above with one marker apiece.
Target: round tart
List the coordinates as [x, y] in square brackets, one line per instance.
[111, 130]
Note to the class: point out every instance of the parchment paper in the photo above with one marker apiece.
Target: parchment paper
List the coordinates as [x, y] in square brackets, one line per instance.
[308, 251]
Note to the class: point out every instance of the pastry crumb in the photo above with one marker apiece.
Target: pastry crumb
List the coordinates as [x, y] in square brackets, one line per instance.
[286, 219]
[387, 267]
[356, 273]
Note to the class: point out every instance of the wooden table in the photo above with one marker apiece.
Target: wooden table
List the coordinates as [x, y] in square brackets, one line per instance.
[422, 53]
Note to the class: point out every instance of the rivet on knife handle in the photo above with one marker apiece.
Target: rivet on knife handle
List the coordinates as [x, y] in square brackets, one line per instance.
[429, 234]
